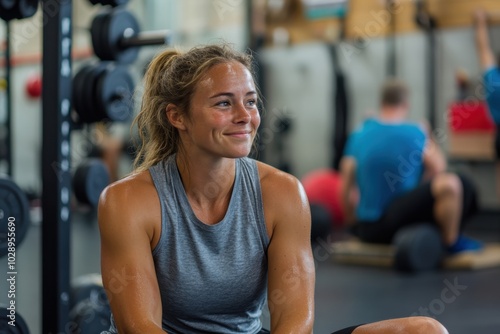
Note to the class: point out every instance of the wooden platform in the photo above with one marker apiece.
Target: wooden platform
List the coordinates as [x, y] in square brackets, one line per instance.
[359, 253]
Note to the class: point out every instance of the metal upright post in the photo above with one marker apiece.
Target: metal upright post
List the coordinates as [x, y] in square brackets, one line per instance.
[432, 77]
[8, 106]
[391, 41]
[56, 177]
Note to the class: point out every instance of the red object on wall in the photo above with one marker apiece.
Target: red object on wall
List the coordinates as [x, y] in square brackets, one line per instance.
[34, 86]
[470, 116]
[323, 187]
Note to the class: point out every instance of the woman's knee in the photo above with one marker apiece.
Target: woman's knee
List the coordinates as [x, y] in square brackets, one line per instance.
[410, 325]
[426, 325]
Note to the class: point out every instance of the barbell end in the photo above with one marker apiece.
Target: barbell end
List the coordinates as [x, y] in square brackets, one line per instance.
[158, 37]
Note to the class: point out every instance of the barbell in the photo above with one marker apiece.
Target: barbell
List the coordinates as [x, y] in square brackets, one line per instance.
[116, 35]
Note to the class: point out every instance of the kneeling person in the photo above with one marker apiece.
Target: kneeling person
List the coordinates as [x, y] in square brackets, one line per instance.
[401, 178]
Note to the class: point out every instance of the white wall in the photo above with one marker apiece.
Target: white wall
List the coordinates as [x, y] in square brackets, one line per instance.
[298, 85]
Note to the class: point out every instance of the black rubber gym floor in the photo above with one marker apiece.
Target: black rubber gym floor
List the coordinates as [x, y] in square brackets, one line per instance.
[465, 301]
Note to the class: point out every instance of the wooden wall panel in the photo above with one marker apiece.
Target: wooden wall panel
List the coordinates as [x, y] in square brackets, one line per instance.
[372, 18]
[459, 13]
[375, 19]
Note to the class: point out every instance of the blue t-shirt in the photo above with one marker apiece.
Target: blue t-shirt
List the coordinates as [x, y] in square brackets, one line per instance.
[492, 89]
[389, 163]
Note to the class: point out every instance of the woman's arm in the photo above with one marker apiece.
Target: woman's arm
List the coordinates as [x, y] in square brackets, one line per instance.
[291, 272]
[126, 216]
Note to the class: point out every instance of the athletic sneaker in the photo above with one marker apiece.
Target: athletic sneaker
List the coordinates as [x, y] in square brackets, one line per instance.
[464, 243]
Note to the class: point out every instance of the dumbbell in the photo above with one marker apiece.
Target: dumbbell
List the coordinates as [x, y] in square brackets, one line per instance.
[116, 35]
[418, 248]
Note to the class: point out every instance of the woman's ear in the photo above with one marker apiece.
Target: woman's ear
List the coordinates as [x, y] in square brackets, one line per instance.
[175, 116]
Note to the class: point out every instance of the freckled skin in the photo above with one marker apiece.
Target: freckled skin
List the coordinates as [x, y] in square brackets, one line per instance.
[223, 118]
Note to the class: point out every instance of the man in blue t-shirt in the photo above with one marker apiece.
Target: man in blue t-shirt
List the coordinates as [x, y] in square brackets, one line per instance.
[400, 175]
[491, 71]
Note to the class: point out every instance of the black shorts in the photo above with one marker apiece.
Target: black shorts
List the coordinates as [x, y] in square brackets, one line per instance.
[347, 330]
[415, 206]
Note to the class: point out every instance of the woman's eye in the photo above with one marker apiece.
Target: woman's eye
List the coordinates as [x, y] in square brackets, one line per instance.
[223, 104]
[251, 103]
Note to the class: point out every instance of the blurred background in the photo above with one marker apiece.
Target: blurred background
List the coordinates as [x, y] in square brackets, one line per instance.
[372, 40]
[320, 65]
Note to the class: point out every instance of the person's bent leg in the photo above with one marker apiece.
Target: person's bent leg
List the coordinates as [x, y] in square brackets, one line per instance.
[410, 325]
[470, 203]
[447, 191]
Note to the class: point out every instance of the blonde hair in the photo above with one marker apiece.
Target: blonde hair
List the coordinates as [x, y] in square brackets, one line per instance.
[171, 77]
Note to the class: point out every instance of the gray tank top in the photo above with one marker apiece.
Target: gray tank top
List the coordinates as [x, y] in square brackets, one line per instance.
[212, 278]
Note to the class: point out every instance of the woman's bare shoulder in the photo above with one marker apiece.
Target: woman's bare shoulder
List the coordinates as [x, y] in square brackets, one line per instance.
[134, 193]
[280, 190]
[130, 187]
[273, 179]
[283, 197]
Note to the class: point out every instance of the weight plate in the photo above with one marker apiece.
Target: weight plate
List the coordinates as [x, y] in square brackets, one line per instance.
[13, 203]
[97, 32]
[9, 14]
[79, 98]
[115, 89]
[27, 8]
[90, 310]
[20, 9]
[20, 324]
[118, 22]
[91, 315]
[90, 179]
[91, 79]
[6, 4]
[108, 29]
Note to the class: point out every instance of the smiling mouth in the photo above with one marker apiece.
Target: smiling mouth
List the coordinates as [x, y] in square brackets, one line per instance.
[240, 134]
